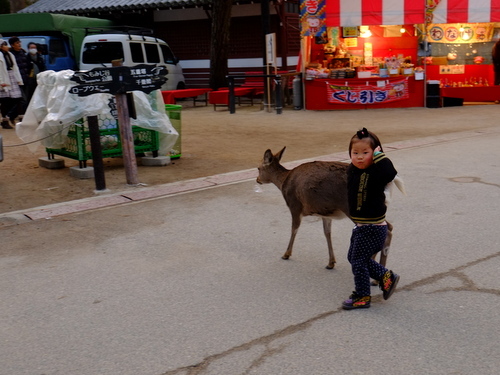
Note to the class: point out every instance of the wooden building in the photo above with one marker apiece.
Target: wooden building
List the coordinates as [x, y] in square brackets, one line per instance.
[186, 26]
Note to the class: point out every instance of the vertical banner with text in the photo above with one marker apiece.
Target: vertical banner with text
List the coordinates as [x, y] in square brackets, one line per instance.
[312, 18]
[271, 49]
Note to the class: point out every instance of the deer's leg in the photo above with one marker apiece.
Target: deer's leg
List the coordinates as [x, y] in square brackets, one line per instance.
[385, 249]
[387, 245]
[296, 219]
[327, 229]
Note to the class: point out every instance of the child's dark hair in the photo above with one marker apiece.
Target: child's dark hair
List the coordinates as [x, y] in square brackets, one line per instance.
[363, 133]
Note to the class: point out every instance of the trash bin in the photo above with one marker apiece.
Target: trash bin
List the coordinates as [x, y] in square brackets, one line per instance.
[433, 99]
[174, 114]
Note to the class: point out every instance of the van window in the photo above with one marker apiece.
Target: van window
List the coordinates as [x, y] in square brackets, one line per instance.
[56, 46]
[136, 51]
[168, 55]
[152, 53]
[101, 52]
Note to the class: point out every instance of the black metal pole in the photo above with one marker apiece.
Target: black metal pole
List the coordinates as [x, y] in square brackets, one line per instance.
[232, 104]
[279, 97]
[95, 146]
[266, 27]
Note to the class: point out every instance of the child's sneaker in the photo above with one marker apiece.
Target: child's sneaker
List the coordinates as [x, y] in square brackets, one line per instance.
[388, 283]
[356, 302]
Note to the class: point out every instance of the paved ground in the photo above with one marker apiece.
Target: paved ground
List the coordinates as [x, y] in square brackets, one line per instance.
[186, 278]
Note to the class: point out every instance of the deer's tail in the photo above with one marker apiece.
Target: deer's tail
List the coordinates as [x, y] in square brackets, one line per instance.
[400, 184]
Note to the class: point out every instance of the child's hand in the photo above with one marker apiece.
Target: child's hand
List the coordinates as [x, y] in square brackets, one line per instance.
[377, 151]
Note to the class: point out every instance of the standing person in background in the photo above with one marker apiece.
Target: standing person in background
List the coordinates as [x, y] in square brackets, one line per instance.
[37, 66]
[10, 84]
[495, 56]
[24, 64]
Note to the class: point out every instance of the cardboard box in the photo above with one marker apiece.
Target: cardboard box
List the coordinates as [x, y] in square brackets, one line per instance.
[364, 74]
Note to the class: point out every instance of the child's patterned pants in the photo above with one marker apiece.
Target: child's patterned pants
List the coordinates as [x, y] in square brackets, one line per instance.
[366, 240]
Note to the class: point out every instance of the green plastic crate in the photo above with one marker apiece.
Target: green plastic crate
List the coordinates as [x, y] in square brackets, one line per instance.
[77, 145]
[174, 114]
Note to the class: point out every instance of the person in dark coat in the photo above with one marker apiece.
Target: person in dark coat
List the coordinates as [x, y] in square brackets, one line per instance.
[367, 176]
[495, 56]
[24, 65]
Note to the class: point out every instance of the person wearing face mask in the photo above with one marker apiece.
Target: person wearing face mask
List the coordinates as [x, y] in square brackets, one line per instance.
[37, 66]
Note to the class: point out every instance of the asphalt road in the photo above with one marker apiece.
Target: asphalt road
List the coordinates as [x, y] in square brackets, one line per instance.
[193, 282]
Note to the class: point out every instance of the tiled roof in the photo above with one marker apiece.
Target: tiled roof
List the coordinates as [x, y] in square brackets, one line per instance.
[83, 6]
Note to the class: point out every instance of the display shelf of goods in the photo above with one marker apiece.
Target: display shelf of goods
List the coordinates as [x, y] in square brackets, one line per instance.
[77, 144]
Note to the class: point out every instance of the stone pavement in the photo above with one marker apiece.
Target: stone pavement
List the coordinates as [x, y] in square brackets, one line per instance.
[187, 279]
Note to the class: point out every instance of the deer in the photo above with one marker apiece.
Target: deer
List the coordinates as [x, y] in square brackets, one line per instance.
[317, 188]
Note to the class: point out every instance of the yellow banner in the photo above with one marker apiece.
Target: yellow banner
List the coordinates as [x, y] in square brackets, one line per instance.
[460, 32]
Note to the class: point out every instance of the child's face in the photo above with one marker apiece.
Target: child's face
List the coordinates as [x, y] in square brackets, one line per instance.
[362, 153]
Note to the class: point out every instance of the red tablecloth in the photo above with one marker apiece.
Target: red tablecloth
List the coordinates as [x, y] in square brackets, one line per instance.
[170, 95]
[473, 94]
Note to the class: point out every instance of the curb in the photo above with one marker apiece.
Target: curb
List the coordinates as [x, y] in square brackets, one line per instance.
[105, 200]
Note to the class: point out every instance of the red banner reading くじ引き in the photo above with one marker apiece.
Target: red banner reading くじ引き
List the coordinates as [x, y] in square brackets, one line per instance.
[383, 92]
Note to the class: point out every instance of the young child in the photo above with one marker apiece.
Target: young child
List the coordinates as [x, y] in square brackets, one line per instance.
[368, 174]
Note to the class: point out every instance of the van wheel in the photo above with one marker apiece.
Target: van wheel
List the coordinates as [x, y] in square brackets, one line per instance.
[181, 86]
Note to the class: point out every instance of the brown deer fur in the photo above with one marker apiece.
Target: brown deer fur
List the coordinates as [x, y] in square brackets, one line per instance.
[316, 188]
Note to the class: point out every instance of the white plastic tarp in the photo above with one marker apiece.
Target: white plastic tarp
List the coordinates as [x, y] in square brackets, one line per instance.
[52, 109]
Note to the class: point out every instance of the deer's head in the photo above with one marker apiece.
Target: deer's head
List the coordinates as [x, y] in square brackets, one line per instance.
[270, 166]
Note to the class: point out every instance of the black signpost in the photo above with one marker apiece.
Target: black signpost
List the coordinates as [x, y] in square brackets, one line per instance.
[95, 147]
[85, 90]
[118, 80]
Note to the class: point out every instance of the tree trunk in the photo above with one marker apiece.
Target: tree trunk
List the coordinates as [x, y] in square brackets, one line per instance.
[17, 5]
[219, 49]
[4, 7]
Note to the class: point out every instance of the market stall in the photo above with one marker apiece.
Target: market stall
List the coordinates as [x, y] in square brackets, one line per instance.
[461, 39]
[380, 54]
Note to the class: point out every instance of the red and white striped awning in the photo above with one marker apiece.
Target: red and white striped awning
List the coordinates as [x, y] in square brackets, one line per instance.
[400, 12]
[374, 12]
[466, 11]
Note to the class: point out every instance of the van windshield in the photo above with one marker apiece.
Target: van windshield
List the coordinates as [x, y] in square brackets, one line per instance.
[102, 52]
[40, 41]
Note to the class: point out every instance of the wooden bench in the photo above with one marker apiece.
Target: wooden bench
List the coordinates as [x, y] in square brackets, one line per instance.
[170, 96]
[221, 97]
[257, 83]
[251, 87]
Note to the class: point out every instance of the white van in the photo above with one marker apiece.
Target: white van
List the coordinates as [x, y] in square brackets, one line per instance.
[100, 49]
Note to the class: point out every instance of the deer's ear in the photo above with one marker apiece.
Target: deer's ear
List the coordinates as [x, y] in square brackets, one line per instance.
[268, 157]
[280, 154]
